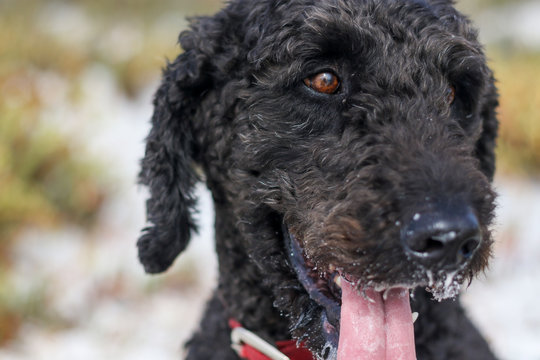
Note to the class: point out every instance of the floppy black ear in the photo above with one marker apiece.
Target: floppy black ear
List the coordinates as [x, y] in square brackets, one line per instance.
[167, 168]
[485, 147]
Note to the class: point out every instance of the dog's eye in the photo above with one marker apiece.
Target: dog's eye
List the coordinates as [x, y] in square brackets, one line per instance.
[324, 82]
[450, 94]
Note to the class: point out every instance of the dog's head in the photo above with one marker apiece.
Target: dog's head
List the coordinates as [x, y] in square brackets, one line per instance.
[349, 140]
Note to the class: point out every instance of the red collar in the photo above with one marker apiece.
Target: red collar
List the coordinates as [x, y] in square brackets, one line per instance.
[251, 347]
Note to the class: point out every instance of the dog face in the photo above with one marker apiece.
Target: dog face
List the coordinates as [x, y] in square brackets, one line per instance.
[349, 141]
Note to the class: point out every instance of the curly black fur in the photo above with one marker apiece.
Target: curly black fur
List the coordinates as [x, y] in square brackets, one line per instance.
[343, 171]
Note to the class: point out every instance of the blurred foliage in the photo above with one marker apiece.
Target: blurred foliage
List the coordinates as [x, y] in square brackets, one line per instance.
[45, 178]
[44, 182]
[516, 70]
[473, 6]
[132, 37]
[41, 181]
[519, 113]
[15, 308]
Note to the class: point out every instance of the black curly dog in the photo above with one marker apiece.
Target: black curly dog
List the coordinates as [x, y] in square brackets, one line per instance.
[349, 149]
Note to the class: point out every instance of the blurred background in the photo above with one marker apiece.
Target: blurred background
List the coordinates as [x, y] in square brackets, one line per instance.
[76, 82]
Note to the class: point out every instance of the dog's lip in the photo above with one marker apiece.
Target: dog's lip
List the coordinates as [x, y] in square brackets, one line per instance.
[314, 284]
[325, 287]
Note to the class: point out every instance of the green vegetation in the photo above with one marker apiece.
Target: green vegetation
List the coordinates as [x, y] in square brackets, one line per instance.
[42, 182]
[131, 37]
[46, 180]
[473, 6]
[519, 141]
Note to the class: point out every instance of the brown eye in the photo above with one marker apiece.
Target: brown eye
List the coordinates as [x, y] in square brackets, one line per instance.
[325, 82]
[450, 94]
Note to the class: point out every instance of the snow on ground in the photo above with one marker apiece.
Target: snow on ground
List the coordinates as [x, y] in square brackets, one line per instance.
[93, 280]
[505, 303]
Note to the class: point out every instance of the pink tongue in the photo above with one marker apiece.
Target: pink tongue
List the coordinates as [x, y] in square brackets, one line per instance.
[372, 328]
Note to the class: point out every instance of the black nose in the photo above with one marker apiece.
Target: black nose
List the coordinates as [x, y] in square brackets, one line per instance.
[444, 238]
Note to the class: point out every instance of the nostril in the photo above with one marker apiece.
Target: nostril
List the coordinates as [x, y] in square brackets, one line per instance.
[469, 247]
[425, 243]
[433, 245]
[427, 246]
